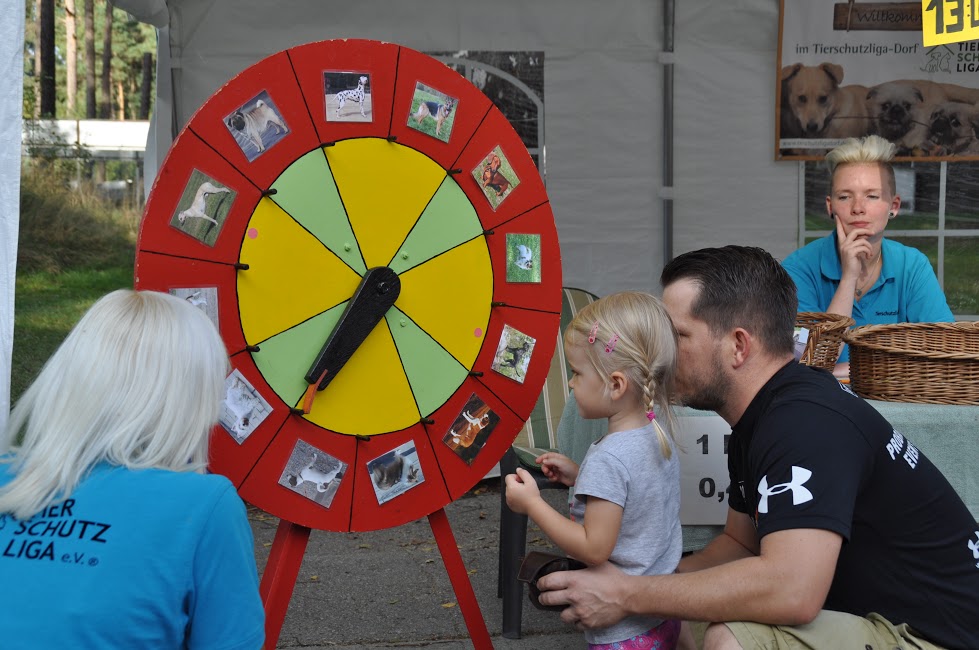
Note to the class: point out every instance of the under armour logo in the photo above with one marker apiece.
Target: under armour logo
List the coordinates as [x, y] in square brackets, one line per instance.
[799, 494]
[974, 547]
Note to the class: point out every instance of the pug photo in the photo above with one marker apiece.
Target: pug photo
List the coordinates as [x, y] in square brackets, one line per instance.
[952, 130]
[256, 125]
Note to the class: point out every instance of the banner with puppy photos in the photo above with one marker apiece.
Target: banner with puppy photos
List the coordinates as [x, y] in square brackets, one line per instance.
[849, 69]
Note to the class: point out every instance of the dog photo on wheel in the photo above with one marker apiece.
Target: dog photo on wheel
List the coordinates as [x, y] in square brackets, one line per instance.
[256, 125]
[513, 354]
[395, 472]
[523, 257]
[432, 112]
[468, 433]
[348, 96]
[203, 208]
[313, 473]
[495, 177]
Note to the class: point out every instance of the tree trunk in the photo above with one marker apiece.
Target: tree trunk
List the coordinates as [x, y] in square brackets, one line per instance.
[145, 90]
[33, 28]
[46, 46]
[105, 108]
[120, 100]
[71, 58]
[90, 107]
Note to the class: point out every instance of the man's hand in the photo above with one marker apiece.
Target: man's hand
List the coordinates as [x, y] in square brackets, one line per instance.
[593, 596]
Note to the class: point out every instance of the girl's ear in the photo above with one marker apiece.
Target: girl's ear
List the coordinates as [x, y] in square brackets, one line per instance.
[618, 384]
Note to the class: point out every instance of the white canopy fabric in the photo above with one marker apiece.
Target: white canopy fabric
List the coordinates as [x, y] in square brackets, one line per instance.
[603, 103]
[11, 109]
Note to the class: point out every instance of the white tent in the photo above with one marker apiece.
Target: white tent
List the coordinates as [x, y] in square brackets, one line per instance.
[604, 71]
[612, 125]
[11, 69]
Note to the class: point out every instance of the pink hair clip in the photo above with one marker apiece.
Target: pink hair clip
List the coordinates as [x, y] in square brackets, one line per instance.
[611, 344]
[594, 333]
[650, 416]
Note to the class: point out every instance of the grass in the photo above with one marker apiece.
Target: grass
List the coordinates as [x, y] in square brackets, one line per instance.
[73, 248]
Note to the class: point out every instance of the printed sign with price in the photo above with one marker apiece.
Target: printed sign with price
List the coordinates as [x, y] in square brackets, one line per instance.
[704, 477]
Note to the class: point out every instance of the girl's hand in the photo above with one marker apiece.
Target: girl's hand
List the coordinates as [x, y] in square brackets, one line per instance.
[521, 491]
[558, 467]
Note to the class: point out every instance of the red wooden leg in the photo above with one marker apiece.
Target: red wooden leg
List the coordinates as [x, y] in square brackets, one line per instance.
[280, 574]
[459, 578]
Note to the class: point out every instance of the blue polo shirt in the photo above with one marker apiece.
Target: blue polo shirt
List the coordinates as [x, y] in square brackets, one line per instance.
[132, 559]
[907, 290]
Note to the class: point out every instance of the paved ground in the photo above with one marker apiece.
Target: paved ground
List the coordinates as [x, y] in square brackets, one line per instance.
[389, 589]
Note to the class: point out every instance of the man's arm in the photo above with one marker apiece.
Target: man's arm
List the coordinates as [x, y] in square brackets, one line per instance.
[786, 584]
[739, 540]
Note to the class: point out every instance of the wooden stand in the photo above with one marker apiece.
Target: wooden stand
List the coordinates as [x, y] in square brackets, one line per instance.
[286, 557]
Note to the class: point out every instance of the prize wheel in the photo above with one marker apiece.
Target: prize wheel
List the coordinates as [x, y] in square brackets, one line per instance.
[376, 247]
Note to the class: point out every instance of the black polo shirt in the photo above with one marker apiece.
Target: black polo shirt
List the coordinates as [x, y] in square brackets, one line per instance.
[808, 453]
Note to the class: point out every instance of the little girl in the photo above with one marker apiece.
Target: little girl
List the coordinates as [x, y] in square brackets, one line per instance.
[626, 504]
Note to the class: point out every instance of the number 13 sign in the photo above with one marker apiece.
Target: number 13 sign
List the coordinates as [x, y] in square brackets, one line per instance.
[949, 21]
[704, 477]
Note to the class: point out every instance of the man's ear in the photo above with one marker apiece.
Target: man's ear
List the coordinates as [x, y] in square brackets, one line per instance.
[742, 346]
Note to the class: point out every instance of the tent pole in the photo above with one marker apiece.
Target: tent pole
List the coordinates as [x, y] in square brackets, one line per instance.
[667, 194]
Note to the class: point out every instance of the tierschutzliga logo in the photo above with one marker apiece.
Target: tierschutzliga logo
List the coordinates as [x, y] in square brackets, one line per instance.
[974, 547]
[799, 494]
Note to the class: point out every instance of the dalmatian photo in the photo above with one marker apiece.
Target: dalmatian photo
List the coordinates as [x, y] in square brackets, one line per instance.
[432, 112]
[313, 473]
[256, 126]
[350, 90]
[243, 408]
[203, 208]
[395, 472]
[523, 257]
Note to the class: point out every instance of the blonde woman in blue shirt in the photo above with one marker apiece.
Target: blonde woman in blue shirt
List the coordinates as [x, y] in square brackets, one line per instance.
[854, 271]
[111, 533]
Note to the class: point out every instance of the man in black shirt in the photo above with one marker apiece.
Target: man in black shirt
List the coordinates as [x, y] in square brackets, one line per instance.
[840, 532]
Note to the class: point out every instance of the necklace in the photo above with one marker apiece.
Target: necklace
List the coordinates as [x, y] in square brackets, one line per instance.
[859, 290]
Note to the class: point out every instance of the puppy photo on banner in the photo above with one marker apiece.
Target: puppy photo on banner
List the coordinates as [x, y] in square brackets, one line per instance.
[851, 70]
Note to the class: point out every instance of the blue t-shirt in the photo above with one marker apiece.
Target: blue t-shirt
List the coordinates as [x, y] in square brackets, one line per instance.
[132, 559]
[907, 290]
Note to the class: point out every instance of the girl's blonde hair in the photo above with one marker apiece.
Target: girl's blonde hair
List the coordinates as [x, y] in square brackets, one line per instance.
[632, 334]
[137, 383]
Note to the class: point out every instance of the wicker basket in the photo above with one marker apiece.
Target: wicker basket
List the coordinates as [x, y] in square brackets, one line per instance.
[825, 337]
[925, 363]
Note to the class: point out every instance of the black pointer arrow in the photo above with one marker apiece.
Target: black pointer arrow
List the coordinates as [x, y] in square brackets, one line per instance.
[378, 291]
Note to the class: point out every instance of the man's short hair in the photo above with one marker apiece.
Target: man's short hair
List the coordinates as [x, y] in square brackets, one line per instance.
[871, 149]
[740, 286]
